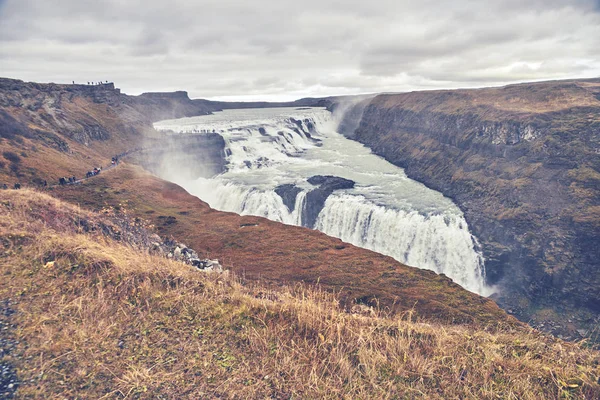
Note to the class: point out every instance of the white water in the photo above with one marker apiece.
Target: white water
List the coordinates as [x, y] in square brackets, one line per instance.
[386, 211]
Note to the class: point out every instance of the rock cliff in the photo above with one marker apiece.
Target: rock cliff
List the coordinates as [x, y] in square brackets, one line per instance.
[523, 163]
[87, 113]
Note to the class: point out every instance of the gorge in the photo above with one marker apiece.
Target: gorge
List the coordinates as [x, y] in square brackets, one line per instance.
[289, 165]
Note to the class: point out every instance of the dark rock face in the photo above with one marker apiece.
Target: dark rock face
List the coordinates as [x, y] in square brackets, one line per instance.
[288, 194]
[315, 199]
[528, 181]
[330, 182]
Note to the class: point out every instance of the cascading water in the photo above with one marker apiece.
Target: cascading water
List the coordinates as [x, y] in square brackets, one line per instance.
[385, 211]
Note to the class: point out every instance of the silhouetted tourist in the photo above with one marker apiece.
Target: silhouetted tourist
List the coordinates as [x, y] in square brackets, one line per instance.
[4, 186]
[17, 186]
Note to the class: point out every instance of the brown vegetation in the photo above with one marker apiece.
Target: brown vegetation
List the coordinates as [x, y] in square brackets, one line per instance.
[257, 248]
[98, 319]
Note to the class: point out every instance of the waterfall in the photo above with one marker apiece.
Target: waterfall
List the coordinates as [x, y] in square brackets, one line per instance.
[228, 196]
[386, 212]
[441, 243]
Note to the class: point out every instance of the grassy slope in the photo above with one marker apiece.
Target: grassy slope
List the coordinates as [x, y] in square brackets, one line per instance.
[257, 248]
[107, 320]
[40, 161]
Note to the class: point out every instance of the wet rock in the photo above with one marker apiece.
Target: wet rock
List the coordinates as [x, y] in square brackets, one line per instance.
[288, 193]
[315, 199]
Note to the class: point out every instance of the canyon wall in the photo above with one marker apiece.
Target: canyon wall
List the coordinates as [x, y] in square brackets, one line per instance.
[523, 163]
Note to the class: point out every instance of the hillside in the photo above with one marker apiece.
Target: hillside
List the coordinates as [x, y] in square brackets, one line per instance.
[274, 253]
[50, 130]
[523, 163]
[93, 312]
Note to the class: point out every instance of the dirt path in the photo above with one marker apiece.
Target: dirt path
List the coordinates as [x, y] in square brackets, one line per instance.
[102, 170]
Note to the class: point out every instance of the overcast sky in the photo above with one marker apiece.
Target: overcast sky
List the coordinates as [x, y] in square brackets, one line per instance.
[280, 49]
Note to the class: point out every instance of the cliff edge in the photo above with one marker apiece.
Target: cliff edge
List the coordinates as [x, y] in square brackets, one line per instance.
[523, 163]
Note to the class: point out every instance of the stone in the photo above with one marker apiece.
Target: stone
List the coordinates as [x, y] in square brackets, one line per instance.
[288, 193]
[315, 199]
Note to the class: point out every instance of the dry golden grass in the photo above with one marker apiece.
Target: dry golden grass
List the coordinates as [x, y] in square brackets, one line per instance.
[97, 319]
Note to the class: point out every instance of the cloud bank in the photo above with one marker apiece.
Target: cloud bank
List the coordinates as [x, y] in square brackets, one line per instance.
[279, 49]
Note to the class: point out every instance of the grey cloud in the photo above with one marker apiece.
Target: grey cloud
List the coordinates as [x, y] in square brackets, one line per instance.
[284, 49]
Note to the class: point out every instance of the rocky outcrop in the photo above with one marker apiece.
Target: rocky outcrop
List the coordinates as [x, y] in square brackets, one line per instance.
[315, 199]
[523, 163]
[182, 253]
[288, 193]
[88, 113]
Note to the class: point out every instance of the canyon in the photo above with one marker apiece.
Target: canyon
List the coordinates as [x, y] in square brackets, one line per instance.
[521, 162]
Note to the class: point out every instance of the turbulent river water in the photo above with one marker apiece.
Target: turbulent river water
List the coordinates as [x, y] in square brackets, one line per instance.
[385, 211]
